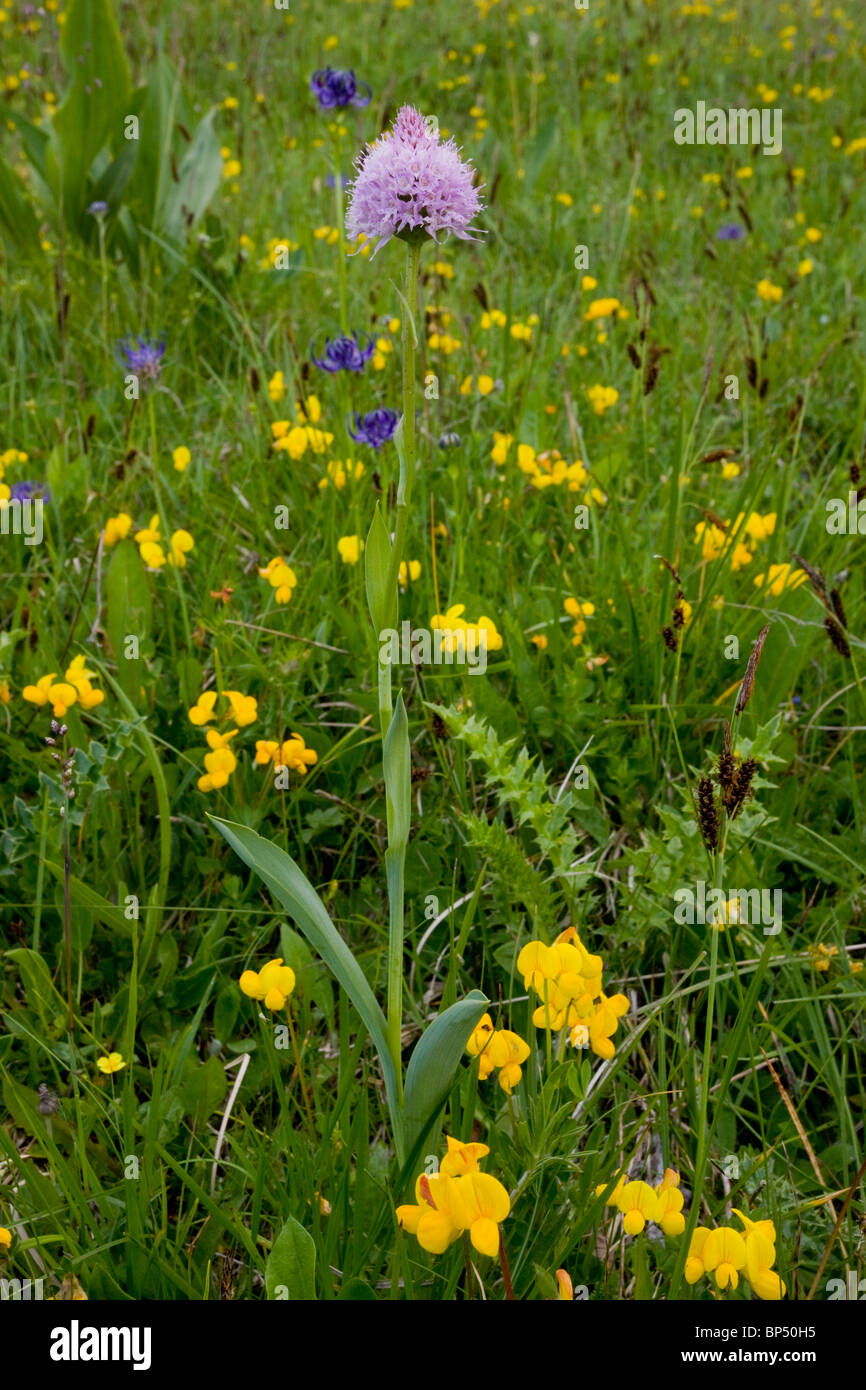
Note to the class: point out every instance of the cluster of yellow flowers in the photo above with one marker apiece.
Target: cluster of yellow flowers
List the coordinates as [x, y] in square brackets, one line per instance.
[273, 984]
[281, 577]
[578, 610]
[780, 577]
[604, 308]
[278, 248]
[568, 981]
[546, 469]
[749, 531]
[221, 762]
[550, 469]
[498, 1048]
[601, 398]
[295, 438]
[350, 549]
[339, 473]
[456, 1199]
[820, 956]
[725, 1253]
[292, 753]
[486, 384]
[640, 1203]
[243, 708]
[75, 688]
[149, 541]
[451, 623]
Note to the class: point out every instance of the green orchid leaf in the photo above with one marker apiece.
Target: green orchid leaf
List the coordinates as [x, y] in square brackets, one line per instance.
[433, 1064]
[279, 872]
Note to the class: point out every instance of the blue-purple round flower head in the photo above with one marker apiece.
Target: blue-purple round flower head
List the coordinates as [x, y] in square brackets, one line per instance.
[339, 87]
[27, 491]
[410, 184]
[730, 231]
[144, 357]
[98, 209]
[345, 354]
[374, 429]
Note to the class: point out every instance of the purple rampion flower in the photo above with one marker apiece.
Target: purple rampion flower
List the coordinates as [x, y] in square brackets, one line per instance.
[98, 209]
[411, 185]
[730, 231]
[345, 354]
[29, 492]
[145, 358]
[374, 429]
[338, 87]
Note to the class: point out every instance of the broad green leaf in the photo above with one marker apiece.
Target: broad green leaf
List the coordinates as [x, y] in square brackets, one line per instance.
[433, 1063]
[92, 113]
[111, 185]
[197, 181]
[156, 107]
[203, 1090]
[129, 607]
[290, 1271]
[18, 223]
[357, 1290]
[279, 872]
[397, 763]
[381, 596]
[38, 985]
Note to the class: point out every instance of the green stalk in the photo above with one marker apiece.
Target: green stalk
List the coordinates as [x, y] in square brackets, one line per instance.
[396, 755]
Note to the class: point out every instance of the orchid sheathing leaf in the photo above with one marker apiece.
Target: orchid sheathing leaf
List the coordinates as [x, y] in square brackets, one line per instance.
[290, 1271]
[279, 872]
[432, 1066]
[381, 595]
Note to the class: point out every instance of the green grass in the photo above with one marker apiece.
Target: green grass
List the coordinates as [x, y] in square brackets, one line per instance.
[118, 1186]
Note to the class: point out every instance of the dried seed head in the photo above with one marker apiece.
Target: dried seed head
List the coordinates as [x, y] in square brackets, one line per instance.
[751, 668]
[741, 788]
[48, 1103]
[633, 355]
[816, 578]
[707, 815]
[837, 637]
[670, 639]
[838, 609]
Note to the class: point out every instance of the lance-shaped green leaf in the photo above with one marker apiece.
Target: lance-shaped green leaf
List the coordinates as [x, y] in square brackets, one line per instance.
[92, 112]
[290, 1271]
[433, 1064]
[18, 223]
[397, 763]
[279, 872]
[381, 593]
[197, 182]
